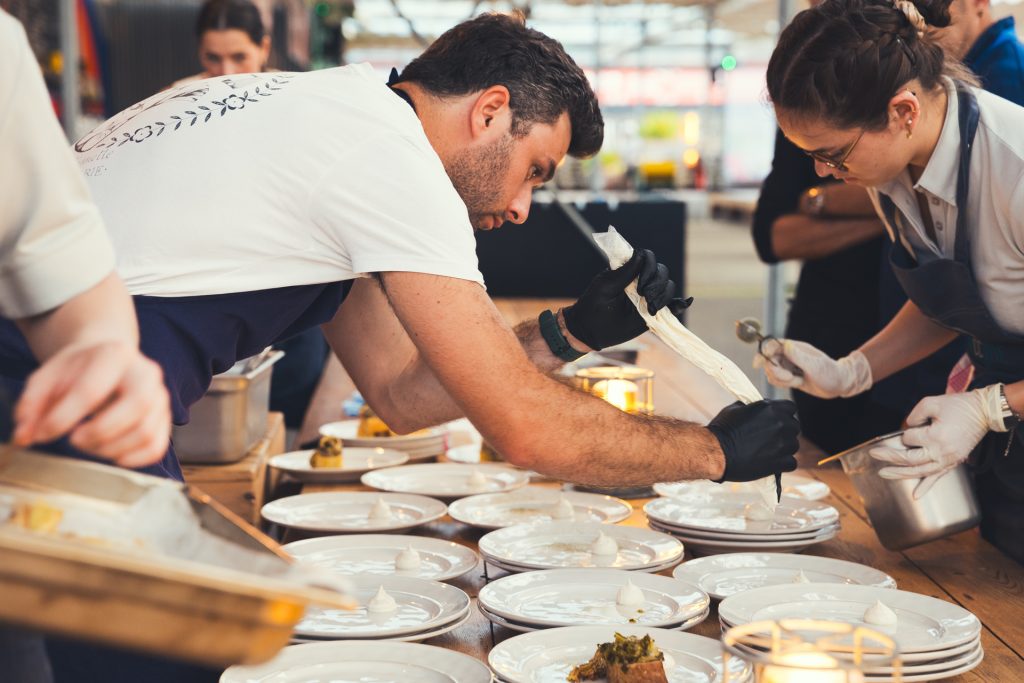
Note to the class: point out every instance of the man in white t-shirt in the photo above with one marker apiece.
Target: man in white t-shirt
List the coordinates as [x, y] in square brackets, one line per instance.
[247, 209]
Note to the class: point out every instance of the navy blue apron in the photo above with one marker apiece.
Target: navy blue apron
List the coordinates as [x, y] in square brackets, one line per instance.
[947, 292]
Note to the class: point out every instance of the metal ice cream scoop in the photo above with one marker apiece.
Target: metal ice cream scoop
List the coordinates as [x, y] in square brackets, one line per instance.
[748, 330]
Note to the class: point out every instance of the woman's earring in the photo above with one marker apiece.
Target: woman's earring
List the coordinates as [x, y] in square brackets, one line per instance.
[910, 132]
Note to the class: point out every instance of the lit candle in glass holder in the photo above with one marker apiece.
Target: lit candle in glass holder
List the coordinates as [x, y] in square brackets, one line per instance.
[621, 393]
[629, 389]
[807, 651]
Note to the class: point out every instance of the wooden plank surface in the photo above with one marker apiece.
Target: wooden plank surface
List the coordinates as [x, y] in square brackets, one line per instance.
[963, 569]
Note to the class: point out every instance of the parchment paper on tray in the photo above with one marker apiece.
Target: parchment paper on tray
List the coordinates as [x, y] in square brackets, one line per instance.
[684, 342]
[170, 571]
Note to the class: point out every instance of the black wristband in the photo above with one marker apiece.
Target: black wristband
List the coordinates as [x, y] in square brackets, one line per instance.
[557, 342]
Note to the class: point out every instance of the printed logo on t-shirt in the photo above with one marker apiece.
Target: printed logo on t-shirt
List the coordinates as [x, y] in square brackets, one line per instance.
[179, 108]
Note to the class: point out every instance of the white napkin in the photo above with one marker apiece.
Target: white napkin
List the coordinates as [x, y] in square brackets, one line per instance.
[691, 347]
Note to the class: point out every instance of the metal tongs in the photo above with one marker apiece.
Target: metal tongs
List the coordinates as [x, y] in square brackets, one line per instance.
[748, 330]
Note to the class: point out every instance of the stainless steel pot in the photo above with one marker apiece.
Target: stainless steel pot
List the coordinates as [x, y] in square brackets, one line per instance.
[232, 416]
[899, 520]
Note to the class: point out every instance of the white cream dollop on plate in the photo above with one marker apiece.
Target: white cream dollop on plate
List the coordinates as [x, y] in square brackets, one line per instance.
[629, 595]
[879, 614]
[801, 577]
[758, 512]
[563, 509]
[408, 559]
[604, 545]
[477, 480]
[381, 602]
[381, 511]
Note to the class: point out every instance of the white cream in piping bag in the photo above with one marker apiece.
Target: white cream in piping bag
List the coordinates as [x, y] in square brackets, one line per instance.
[604, 545]
[563, 509]
[408, 559]
[879, 614]
[691, 347]
[381, 602]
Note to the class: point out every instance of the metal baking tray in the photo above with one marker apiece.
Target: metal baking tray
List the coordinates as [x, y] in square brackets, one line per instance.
[179, 607]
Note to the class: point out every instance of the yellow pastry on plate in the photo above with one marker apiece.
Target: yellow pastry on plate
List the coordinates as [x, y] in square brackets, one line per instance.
[327, 453]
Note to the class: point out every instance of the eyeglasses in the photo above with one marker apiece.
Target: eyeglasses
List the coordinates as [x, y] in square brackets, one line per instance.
[831, 161]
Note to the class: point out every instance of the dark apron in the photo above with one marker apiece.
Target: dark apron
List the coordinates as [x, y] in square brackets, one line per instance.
[946, 291]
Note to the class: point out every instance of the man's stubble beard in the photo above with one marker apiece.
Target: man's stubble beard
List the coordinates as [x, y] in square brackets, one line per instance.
[478, 176]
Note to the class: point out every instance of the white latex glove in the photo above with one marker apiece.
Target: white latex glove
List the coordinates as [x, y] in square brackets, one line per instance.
[823, 376]
[957, 423]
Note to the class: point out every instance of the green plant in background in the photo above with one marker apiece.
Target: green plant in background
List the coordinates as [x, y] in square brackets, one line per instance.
[659, 125]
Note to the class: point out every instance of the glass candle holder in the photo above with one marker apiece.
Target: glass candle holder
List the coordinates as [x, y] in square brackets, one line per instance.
[629, 389]
[809, 651]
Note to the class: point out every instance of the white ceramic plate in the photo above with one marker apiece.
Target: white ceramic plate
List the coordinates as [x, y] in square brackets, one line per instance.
[559, 545]
[432, 442]
[570, 597]
[421, 605]
[742, 538]
[331, 512]
[355, 462]
[915, 658]
[447, 480]
[529, 628]
[518, 569]
[726, 513]
[924, 623]
[548, 656]
[705, 546]
[935, 676]
[793, 484]
[417, 637]
[724, 575]
[374, 554]
[534, 504]
[362, 661]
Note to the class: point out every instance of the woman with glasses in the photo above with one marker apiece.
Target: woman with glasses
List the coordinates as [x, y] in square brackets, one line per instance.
[862, 87]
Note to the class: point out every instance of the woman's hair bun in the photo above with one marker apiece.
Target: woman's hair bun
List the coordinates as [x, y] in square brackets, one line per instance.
[934, 12]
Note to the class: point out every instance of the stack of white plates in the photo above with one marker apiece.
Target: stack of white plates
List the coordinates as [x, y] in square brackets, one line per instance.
[376, 554]
[795, 485]
[355, 462]
[534, 504]
[723, 524]
[564, 545]
[724, 575]
[363, 661]
[548, 656]
[589, 597]
[349, 512]
[936, 639]
[424, 609]
[422, 445]
[447, 481]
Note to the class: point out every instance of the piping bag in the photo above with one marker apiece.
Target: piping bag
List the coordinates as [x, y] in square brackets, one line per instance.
[691, 347]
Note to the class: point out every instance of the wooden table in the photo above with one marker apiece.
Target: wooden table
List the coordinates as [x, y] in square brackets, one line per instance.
[963, 569]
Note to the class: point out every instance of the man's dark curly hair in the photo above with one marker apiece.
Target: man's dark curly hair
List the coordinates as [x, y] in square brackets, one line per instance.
[542, 80]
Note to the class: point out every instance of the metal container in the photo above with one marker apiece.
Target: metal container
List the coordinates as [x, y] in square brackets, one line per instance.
[899, 520]
[198, 610]
[228, 421]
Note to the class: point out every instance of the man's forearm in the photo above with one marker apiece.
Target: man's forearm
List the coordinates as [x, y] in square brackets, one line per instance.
[908, 338]
[796, 236]
[536, 347]
[102, 313]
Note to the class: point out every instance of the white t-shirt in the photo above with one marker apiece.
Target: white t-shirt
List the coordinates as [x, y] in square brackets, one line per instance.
[257, 181]
[52, 242]
[995, 204]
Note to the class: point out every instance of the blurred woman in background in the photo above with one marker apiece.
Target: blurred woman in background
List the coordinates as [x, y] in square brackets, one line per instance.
[232, 40]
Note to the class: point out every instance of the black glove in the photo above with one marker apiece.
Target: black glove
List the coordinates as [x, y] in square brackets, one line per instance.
[604, 316]
[758, 439]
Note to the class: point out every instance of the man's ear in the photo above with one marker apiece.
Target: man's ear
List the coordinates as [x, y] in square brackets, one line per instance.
[490, 111]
